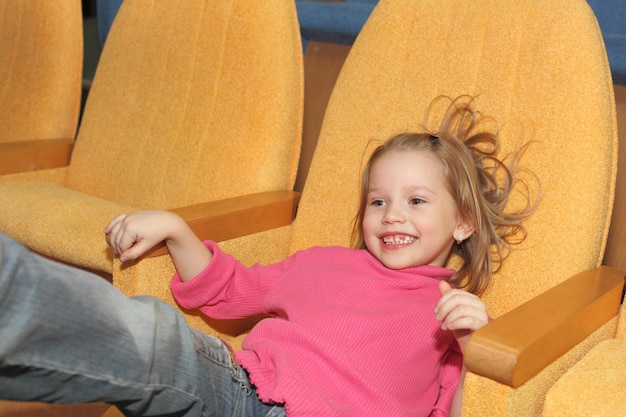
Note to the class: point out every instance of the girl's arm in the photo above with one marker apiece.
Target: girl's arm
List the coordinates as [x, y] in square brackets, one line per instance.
[131, 235]
[462, 313]
[457, 402]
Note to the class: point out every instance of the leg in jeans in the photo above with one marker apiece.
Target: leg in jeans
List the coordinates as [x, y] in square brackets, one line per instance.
[67, 336]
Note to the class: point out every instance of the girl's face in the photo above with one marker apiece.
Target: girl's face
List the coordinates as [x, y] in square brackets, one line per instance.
[410, 217]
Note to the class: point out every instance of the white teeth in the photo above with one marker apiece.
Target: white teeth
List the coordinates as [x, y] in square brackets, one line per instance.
[398, 240]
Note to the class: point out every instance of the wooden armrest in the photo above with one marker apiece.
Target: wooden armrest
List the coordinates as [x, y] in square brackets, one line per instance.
[236, 217]
[516, 346]
[34, 155]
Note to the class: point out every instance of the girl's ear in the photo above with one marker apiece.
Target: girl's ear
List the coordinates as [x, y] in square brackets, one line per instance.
[463, 231]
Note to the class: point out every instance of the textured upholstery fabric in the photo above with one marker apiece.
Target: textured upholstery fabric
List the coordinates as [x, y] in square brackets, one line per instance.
[335, 22]
[192, 101]
[596, 386]
[540, 69]
[621, 326]
[41, 58]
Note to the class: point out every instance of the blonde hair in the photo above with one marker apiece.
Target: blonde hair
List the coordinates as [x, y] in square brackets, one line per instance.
[479, 182]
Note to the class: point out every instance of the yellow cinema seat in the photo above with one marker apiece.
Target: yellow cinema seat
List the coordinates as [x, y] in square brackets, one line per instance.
[192, 102]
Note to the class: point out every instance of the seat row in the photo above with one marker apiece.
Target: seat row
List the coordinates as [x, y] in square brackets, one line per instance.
[217, 87]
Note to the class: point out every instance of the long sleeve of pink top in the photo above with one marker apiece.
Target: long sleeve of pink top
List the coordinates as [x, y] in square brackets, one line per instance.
[346, 335]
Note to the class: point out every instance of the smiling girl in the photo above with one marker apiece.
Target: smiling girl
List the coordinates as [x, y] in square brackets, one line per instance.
[377, 330]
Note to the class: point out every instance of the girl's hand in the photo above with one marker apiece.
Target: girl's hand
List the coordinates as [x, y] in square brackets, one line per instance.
[461, 312]
[131, 235]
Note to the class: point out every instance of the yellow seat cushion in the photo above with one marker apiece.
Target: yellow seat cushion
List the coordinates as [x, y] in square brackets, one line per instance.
[595, 386]
[78, 237]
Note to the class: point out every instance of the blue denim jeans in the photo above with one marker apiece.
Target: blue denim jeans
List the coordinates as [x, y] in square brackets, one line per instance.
[67, 336]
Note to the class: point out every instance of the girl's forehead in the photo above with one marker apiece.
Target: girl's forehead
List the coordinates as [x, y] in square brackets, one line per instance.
[407, 166]
[408, 160]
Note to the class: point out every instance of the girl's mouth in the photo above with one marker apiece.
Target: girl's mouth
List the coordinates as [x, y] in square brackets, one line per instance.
[398, 239]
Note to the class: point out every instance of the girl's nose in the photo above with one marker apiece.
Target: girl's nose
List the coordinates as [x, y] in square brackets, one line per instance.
[393, 215]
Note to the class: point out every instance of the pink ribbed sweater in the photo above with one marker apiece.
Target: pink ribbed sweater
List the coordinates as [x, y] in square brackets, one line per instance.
[347, 337]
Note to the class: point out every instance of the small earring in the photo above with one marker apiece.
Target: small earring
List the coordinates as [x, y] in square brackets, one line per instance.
[459, 239]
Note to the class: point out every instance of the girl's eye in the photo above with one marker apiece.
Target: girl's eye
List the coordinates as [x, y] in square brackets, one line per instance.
[377, 202]
[416, 201]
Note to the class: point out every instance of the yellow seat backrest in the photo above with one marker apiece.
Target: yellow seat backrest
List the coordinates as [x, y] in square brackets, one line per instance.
[191, 101]
[41, 63]
[539, 69]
